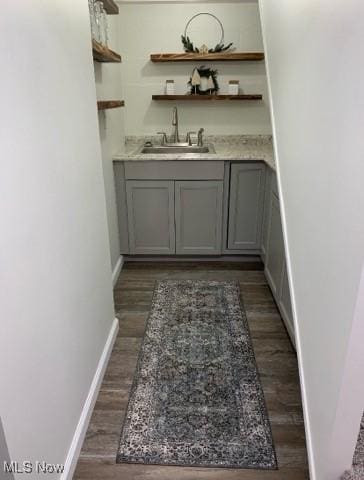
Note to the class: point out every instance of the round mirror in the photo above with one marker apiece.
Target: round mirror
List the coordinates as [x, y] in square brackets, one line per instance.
[205, 29]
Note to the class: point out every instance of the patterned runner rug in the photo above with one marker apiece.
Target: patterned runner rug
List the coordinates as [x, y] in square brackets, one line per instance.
[196, 399]
[357, 472]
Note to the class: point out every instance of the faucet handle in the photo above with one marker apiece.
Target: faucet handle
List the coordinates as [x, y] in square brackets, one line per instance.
[199, 137]
[188, 137]
[164, 137]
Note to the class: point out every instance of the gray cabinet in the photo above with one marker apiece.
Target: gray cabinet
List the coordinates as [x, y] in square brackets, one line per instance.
[275, 262]
[167, 217]
[246, 203]
[120, 189]
[266, 212]
[190, 207]
[150, 207]
[275, 248]
[285, 304]
[198, 217]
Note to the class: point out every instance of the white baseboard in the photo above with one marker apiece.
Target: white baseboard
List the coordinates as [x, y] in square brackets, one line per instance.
[117, 270]
[80, 432]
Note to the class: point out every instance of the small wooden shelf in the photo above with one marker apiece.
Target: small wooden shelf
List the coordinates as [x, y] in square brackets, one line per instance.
[104, 54]
[106, 104]
[207, 97]
[110, 7]
[221, 57]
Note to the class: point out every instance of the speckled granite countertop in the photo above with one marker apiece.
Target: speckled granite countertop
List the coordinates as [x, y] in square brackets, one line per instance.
[229, 147]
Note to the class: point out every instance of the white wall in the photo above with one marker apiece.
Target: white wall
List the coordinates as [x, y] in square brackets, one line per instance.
[56, 306]
[315, 73]
[154, 28]
[111, 127]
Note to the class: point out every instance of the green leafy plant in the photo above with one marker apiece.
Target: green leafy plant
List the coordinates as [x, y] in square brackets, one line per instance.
[205, 72]
[220, 47]
[190, 48]
[188, 45]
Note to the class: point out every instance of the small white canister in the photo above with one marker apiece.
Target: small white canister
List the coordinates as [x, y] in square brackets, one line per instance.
[233, 87]
[170, 90]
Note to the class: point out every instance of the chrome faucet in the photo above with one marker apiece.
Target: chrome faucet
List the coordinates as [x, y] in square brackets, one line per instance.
[200, 138]
[175, 134]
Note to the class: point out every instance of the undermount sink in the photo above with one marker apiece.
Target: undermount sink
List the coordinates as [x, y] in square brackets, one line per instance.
[177, 149]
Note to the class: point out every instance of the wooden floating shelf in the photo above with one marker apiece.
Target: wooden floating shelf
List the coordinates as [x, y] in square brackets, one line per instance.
[221, 57]
[110, 7]
[104, 54]
[207, 97]
[106, 104]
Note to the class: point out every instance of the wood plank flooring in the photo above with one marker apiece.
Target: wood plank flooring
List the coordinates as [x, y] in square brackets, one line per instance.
[276, 361]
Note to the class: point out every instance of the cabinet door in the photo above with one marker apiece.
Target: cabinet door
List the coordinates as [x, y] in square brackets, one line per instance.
[285, 304]
[121, 203]
[267, 196]
[198, 217]
[275, 248]
[151, 216]
[246, 206]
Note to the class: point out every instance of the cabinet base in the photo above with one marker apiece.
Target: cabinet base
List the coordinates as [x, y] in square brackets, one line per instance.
[195, 258]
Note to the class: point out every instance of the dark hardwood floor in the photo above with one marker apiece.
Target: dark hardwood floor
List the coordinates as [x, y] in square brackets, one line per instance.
[276, 361]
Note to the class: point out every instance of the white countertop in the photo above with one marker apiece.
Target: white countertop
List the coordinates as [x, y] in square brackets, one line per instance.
[230, 147]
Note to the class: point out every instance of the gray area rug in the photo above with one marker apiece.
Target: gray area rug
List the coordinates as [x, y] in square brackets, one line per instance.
[196, 399]
[357, 472]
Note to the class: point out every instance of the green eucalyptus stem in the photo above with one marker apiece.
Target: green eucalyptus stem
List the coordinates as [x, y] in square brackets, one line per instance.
[190, 48]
